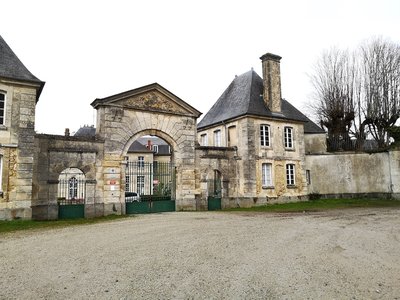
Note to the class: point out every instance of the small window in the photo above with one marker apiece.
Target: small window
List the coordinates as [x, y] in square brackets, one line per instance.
[267, 175]
[308, 177]
[265, 135]
[232, 136]
[288, 137]
[2, 107]
[217, 138]
[127, 183]
[290, 174]
[73, 188]
[155, 148]
[140, 185]
[140, 161]
[203, 140]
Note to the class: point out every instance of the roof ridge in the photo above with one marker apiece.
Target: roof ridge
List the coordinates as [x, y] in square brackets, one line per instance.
[250, 89]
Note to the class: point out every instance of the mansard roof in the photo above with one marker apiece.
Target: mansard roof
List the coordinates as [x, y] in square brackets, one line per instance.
[138, 147]
[12, 68]
[86, 131]
[244, 96]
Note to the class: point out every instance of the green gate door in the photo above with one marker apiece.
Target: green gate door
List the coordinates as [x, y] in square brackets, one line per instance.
[215, 192]
[71, 198]
[149, 187]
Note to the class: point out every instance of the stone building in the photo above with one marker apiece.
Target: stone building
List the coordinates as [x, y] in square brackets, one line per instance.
[268, 135]
[19, 92]
[250, 149]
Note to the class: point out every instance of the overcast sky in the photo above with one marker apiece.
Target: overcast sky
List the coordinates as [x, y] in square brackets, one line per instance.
[85, 50]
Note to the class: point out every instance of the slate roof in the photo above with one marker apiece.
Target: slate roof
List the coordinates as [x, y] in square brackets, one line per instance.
[244, 96]
[138, 147]
[86, 131]
[12, 68]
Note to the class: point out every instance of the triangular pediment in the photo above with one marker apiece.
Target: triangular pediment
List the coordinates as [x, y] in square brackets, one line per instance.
[150, 98]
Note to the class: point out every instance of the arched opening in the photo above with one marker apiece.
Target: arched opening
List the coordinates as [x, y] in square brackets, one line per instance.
[71, 194]
[149, 175]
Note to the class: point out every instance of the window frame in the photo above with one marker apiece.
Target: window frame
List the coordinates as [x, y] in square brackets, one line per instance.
[3, 110]
[203, 139]
[288, 137]
[141, 161]
[155, 148]
[308, 177]
[127, 183]
[73, 188]
[265, 136]
[264, 175]
[217, 138]
[290, 174]
[140, 184]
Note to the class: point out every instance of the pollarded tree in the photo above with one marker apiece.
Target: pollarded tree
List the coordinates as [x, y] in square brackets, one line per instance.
[358, 94]
[380, 74]
[335, 93]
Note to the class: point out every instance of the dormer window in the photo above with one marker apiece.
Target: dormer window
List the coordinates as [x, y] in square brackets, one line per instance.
[2, 107]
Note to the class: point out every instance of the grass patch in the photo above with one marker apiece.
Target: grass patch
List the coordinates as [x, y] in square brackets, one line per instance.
[18, 225]
[322, 204]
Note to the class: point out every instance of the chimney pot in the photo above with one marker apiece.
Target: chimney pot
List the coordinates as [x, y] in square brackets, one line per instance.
[66, 131]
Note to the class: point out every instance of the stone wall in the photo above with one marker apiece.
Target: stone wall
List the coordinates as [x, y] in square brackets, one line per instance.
[17, 147]
[209, 160]
[315, 143]
[348, 174]
[54, 154]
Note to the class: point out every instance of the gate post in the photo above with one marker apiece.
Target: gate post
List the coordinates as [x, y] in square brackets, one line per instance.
[112, 184]
[89, 198]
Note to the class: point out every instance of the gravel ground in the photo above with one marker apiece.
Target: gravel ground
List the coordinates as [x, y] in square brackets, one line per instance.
[351, 254]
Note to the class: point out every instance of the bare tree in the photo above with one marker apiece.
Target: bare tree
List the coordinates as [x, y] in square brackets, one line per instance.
[358, 93]
[381, 87]
[334, 86]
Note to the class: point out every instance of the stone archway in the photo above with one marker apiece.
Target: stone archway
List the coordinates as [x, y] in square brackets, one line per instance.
[152, 110]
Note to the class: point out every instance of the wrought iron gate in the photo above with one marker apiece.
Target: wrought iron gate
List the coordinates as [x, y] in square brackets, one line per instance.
[149, 187]
[71, 198]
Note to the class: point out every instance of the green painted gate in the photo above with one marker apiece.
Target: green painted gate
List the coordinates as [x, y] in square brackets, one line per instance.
[71, 198]
[215, 192]
[71, 211]
[153, 185]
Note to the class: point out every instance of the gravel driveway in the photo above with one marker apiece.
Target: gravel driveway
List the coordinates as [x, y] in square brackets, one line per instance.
[351, 254]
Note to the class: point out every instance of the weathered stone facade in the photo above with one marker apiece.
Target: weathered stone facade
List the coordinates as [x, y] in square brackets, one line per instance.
[16, 148]
[54, 154]
[257, 146]
[149, 110]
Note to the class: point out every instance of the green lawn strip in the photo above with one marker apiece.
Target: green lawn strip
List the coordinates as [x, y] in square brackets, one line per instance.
[18, 225]
[322, 204]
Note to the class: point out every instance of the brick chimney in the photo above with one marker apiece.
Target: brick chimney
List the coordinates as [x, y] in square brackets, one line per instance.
[272, 81]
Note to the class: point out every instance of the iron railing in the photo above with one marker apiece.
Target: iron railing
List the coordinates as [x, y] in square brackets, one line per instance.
[156, 179]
